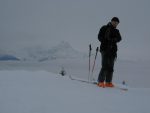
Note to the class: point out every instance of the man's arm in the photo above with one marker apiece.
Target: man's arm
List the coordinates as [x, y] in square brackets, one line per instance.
[117, 38]
[101, 34]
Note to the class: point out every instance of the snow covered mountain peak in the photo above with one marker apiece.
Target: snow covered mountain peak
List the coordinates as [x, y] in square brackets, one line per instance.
[64, 44]
[64, 50]
[38, 53]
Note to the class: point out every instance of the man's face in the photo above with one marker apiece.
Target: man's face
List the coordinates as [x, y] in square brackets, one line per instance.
[114, 23]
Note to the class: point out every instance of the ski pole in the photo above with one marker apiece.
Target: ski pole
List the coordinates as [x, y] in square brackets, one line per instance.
[90, 49]
[94, 62]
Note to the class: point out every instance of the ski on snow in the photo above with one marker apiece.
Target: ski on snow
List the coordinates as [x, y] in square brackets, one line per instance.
[121, 87]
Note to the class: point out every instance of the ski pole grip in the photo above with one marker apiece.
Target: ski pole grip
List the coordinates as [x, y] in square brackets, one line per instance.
[90, 47]
[97, 49]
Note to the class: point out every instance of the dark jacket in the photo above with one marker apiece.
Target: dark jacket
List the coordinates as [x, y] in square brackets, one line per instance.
[109, 36]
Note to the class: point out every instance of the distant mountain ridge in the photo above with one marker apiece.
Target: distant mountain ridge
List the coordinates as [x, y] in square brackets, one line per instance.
[61, 51]
[6, 57]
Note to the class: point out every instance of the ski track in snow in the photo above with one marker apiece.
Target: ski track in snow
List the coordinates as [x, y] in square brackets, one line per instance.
[45, 92]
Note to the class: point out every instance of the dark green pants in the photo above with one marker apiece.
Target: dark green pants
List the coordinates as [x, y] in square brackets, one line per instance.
[106, 72]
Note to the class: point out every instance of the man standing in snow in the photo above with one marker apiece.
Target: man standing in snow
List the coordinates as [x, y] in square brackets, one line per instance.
[109, 36]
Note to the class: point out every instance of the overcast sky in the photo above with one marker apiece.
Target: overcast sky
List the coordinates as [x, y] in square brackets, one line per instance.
[25, 23]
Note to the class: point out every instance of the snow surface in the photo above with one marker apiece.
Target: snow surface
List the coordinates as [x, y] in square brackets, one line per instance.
[45, 92]
[134, 73]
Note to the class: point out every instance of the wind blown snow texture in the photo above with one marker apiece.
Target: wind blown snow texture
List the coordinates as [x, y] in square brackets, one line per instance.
[45, 92]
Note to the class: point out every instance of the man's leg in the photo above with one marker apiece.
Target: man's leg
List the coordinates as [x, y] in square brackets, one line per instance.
[110, 69]
[103, 71]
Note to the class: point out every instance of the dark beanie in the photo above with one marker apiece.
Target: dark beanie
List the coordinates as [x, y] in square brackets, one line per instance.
[116, 19]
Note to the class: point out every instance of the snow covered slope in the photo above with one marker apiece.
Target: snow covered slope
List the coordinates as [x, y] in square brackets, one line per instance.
[45, 92]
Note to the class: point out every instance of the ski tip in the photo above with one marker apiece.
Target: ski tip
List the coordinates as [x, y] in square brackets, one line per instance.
[122, 87]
